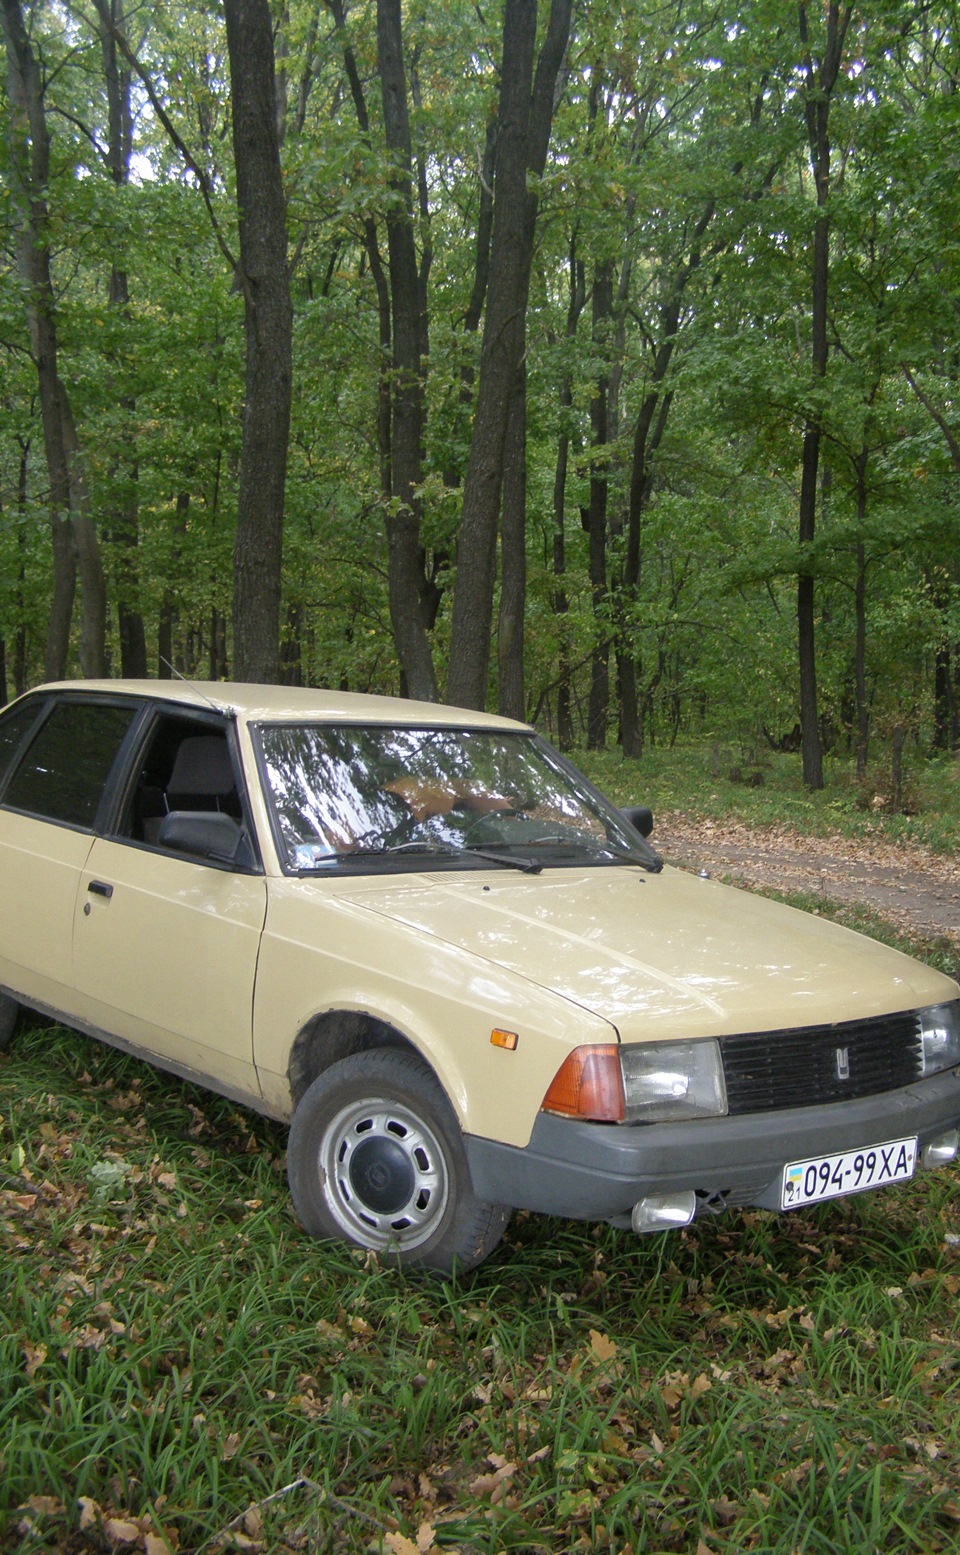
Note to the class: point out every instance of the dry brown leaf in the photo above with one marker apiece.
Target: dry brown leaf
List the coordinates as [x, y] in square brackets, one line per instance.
[602, 1346]
[162, 1543]
[122, 1530]
[90, 1513]
[492, 1484]
[399, 1544]
[34, 1355]
[46, 1506]
[229, 1447]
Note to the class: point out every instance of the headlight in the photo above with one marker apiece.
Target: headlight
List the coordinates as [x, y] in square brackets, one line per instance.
[649, 1082]
[668, 1082]
[940, 1030]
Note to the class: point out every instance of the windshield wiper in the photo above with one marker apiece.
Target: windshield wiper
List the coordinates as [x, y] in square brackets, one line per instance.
[594, 849]
[445, 849]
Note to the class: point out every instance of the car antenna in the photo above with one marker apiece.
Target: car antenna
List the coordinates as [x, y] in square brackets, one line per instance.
[217, 706]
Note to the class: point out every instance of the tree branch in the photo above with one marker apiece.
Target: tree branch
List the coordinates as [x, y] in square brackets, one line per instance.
[189, 160]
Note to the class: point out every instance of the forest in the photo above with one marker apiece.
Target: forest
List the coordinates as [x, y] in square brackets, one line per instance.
[599, 364]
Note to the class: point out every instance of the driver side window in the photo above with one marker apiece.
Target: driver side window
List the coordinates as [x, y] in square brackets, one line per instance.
[187, 765]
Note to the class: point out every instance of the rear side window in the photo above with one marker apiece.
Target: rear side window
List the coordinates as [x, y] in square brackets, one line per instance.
[62, 774]
[13, 727]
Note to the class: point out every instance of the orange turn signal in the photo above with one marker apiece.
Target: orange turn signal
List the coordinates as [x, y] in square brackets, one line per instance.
[507, 1039]
[588, 1084]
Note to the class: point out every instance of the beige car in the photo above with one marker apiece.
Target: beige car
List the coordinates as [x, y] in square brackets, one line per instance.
[464, 978]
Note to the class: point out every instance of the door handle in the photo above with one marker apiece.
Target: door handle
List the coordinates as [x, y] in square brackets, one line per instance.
[99, 888]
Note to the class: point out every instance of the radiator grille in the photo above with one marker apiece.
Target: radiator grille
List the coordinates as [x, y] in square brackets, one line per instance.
[816, 1064]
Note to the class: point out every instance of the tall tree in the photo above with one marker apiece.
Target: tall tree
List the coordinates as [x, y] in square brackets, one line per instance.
[133, 644]
[265, 278]
[73, 532]
[525, 117]
[406, 574]
[819, 82]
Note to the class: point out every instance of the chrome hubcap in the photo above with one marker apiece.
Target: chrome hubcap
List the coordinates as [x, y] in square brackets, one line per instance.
[384, 1175]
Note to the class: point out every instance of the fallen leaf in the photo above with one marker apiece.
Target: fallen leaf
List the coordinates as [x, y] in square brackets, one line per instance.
[400, 1545]
[161, 1543]
[602, 1346]
[492, 1484]
[47, 1506]
[229, 1447]
[121, 1530]
[90, 1514]
[35, 1355]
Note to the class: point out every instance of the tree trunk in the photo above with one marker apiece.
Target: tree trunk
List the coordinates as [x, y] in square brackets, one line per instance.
[602, 309]
[818, 88]
[30, 167]
[513, 543]
[406, 573]
[268, 323]
[525, 116]
[561, 604]
[860, 623]
[125, 524]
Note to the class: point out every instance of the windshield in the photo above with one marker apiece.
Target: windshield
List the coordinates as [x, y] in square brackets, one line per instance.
[341, 794]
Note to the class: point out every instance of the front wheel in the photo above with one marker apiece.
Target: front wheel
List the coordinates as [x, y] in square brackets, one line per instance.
[375, 1158]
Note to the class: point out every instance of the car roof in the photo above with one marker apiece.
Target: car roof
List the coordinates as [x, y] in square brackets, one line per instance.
[257, 703]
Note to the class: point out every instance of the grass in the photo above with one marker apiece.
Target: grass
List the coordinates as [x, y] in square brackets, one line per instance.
[695, 779]
[181, 1368]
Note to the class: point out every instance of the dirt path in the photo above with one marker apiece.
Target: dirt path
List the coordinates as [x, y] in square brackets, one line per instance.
[913, 888]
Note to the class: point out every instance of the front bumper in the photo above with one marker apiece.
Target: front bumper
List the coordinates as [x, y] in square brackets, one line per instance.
[598, 1171]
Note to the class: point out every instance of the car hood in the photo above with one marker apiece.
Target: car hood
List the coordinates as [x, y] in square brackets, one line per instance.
[667, 956]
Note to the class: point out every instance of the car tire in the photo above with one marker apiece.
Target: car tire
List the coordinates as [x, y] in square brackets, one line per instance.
[9, 1014]
[375, 1158]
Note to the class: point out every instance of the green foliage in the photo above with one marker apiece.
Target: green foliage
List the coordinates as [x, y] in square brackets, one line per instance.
[679, 160]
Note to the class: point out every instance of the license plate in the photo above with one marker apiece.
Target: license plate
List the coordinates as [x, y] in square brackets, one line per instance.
[831, 1176]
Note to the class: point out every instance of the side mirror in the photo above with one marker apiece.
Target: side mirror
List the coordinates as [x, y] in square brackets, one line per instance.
[203, 834]
[640, 818]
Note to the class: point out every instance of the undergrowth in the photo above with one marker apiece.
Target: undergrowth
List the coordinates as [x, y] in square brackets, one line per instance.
[770, 792]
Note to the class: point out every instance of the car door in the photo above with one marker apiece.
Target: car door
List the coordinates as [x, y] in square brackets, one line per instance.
[165, 944]
[61, 752]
